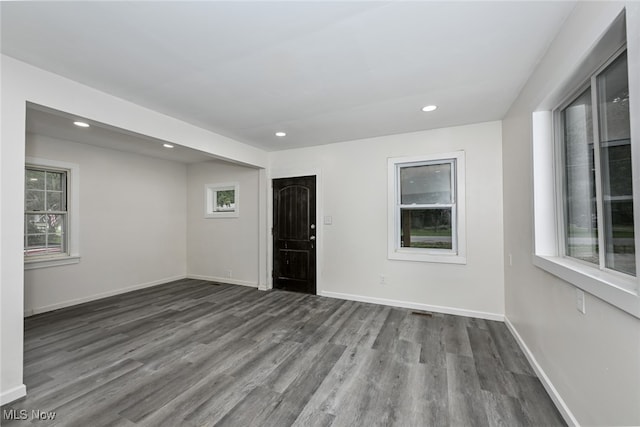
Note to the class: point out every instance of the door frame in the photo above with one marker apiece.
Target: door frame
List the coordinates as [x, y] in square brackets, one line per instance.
[293, 173]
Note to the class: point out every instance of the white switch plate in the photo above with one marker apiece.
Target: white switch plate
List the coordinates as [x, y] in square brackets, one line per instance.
[580, 304]
[328, 220]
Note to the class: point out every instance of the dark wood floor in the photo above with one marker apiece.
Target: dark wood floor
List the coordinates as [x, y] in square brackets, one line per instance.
[195, 353]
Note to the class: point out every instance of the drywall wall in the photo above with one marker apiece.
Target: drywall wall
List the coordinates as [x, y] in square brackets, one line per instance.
[591, 362]
[22, 83]
[12, 131]
[223, 249]
[133, 221]
[352, 251]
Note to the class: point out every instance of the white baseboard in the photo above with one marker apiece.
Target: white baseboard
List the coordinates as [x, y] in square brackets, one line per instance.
[566, 413]
[44, 309]
[13, 394]
[223, 280]
[415, 306]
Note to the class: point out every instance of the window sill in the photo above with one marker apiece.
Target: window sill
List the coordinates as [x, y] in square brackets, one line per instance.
[617, 290]
[33, 264]
[222, 215]
[406, 255]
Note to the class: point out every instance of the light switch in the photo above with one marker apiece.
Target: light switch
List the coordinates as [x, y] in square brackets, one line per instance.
[328, 220]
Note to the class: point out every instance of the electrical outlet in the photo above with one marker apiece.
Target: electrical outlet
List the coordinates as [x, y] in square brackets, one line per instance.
[229, 274]
[580, 302]
[383, 279]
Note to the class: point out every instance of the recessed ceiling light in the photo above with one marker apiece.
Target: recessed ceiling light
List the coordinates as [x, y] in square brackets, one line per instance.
[429, 108]
[167, 145]
[81, 124]
[281, 134]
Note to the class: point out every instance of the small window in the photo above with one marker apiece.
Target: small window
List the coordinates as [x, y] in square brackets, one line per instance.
[597, 180]
[46, 215]
[51, 207]
[222, 200]
[426, 212]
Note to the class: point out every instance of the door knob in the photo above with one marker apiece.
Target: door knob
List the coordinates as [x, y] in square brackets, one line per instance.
[312, 238]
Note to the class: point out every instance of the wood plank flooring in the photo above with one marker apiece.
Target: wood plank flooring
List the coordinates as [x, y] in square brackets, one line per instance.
[196, 353]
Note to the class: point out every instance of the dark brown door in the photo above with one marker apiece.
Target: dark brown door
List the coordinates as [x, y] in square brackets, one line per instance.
[294, 234]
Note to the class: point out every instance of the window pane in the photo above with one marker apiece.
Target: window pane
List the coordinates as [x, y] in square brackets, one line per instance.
[225, 200]
[47, 223]
[426, 184]
[36, 224]
[426, 228]
[55, 201]
[55, 243]
[615, 157]
[55, 223]
[55, 180]
[45, 234]
[36, 241]
[34, 179]
[34, 200]
[580, 192]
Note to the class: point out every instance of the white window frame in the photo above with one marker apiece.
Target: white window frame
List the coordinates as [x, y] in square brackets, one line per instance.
[210, 197]
[456, 255]
[560, 178]
[618, 289]
[72, 254]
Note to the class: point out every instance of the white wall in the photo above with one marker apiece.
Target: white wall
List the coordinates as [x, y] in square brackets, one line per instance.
[133, 221]
[352, 252]
[592, 360]
[22, 83]
[223, 249]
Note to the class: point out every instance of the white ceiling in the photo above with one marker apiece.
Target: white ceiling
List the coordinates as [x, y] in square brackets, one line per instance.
[321, 71]
[59, 125]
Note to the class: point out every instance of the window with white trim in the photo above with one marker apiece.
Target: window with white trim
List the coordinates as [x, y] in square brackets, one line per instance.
[596, 181]
[222, 200]
[585, 162]
[426, 203]
[51, 222]
[45, 212]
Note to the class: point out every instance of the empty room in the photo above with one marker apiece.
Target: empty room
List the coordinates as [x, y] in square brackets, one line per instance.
[313, 213]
